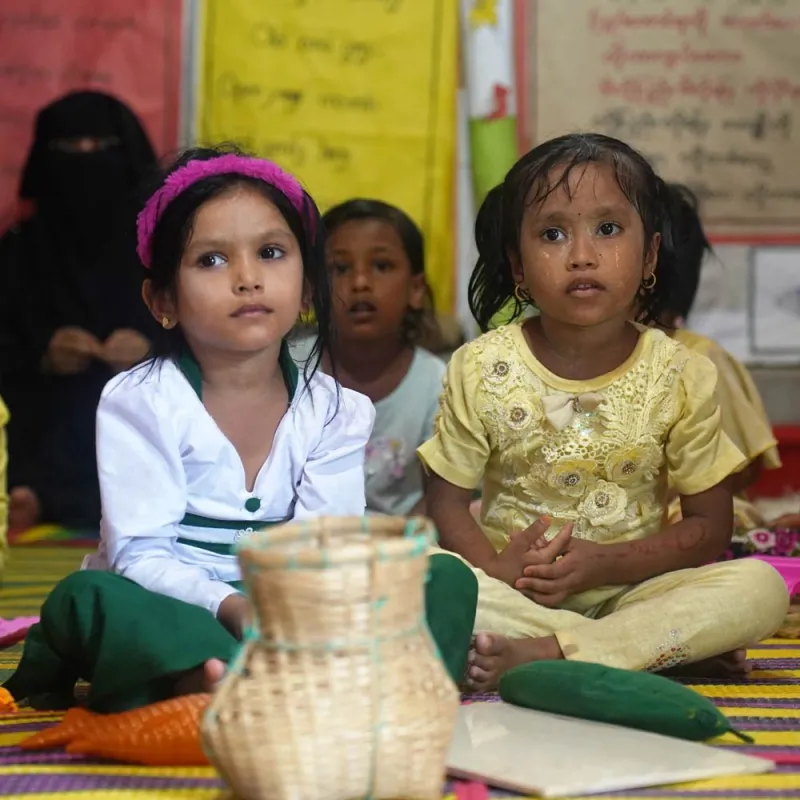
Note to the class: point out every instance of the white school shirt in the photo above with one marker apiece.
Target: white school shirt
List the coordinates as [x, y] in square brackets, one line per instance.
[161, 456]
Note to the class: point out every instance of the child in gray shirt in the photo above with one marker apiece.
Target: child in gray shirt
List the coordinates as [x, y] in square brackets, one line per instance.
[381, 307]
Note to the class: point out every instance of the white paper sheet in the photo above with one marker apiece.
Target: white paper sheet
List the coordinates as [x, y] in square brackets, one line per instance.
[551, 756]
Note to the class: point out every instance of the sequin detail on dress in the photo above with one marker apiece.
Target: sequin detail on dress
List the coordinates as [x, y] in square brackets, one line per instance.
[671, 653]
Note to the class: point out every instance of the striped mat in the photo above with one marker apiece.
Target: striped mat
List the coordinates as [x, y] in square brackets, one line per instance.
[32, 572]
[767, 706]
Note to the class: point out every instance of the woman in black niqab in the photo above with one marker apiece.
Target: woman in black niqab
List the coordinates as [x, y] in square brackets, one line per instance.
[71, 312]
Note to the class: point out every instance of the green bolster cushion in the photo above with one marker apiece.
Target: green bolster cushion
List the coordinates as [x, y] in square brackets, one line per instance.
[619, 697]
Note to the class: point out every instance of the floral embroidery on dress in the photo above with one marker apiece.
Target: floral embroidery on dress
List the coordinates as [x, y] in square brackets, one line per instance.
[521, 415]
[572, 477]
[605, 505]
[513, 412]
[498, 371]
[632, 465]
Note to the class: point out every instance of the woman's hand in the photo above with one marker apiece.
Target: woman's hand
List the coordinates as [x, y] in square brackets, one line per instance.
[124, 348]
[71, 351]
[235, 614]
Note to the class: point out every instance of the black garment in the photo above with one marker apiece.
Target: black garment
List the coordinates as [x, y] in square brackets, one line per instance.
[72, 263]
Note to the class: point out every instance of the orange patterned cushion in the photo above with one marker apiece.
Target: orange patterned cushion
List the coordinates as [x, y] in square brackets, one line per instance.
[162, 734]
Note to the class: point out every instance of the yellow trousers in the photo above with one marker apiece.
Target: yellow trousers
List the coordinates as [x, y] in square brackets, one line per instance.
[678, 618]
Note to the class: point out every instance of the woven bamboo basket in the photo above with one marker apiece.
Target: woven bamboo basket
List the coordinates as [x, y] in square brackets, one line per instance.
[338, 691]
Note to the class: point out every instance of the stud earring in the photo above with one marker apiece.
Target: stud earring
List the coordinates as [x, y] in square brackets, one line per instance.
[167, 323]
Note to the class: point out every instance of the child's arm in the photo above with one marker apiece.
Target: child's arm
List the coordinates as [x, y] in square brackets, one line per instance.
[333, 477]
[698, 539]
[454, 458]
[153, 563]
[235, 613]
[431, 395]
[420, 508]
[740, 482]
[448, 507]
[143, 489]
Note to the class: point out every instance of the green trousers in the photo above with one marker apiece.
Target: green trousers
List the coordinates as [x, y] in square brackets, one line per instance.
[130, 643]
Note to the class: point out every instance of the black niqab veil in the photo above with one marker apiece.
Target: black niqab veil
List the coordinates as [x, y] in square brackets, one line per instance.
[48, 172]
[79, 245]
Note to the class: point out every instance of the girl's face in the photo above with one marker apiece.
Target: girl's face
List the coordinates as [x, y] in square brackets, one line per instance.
[373, 286]
[582, 254]
[239, 286]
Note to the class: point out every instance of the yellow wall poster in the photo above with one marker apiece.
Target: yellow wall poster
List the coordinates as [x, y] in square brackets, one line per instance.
[355, 97]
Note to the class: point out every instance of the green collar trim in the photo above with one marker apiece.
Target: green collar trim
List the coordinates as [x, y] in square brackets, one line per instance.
[188, 365]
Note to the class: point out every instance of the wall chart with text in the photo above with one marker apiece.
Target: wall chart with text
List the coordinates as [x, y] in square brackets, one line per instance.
[709, 90]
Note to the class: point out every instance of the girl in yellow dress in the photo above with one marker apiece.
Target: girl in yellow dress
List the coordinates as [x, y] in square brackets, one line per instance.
[576, 421]
[742, 413]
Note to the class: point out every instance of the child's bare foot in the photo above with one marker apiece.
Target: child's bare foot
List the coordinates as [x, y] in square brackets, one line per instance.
[728, 665]
[202, 680]
[491, 655]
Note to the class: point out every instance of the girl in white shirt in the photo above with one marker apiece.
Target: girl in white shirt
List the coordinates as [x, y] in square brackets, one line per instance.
[216, 436]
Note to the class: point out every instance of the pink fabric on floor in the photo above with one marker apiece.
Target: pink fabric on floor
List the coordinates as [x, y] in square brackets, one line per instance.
[14, 630]
[471, 790]
[788, 567]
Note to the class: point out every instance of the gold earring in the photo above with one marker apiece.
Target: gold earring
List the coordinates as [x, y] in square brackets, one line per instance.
[521, 294]
[649, 283]
[167, 324]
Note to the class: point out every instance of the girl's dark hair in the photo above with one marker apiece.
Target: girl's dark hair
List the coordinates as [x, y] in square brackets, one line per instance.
[529, 182]
[174, 228]
[683, 247]
[418, 323]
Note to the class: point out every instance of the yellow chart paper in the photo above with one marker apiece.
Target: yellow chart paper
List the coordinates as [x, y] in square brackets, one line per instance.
[355, 97]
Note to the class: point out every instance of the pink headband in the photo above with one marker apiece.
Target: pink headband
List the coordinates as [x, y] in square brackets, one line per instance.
[195, 171]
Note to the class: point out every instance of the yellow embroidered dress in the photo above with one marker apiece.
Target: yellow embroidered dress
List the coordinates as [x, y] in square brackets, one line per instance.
[598, 453]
